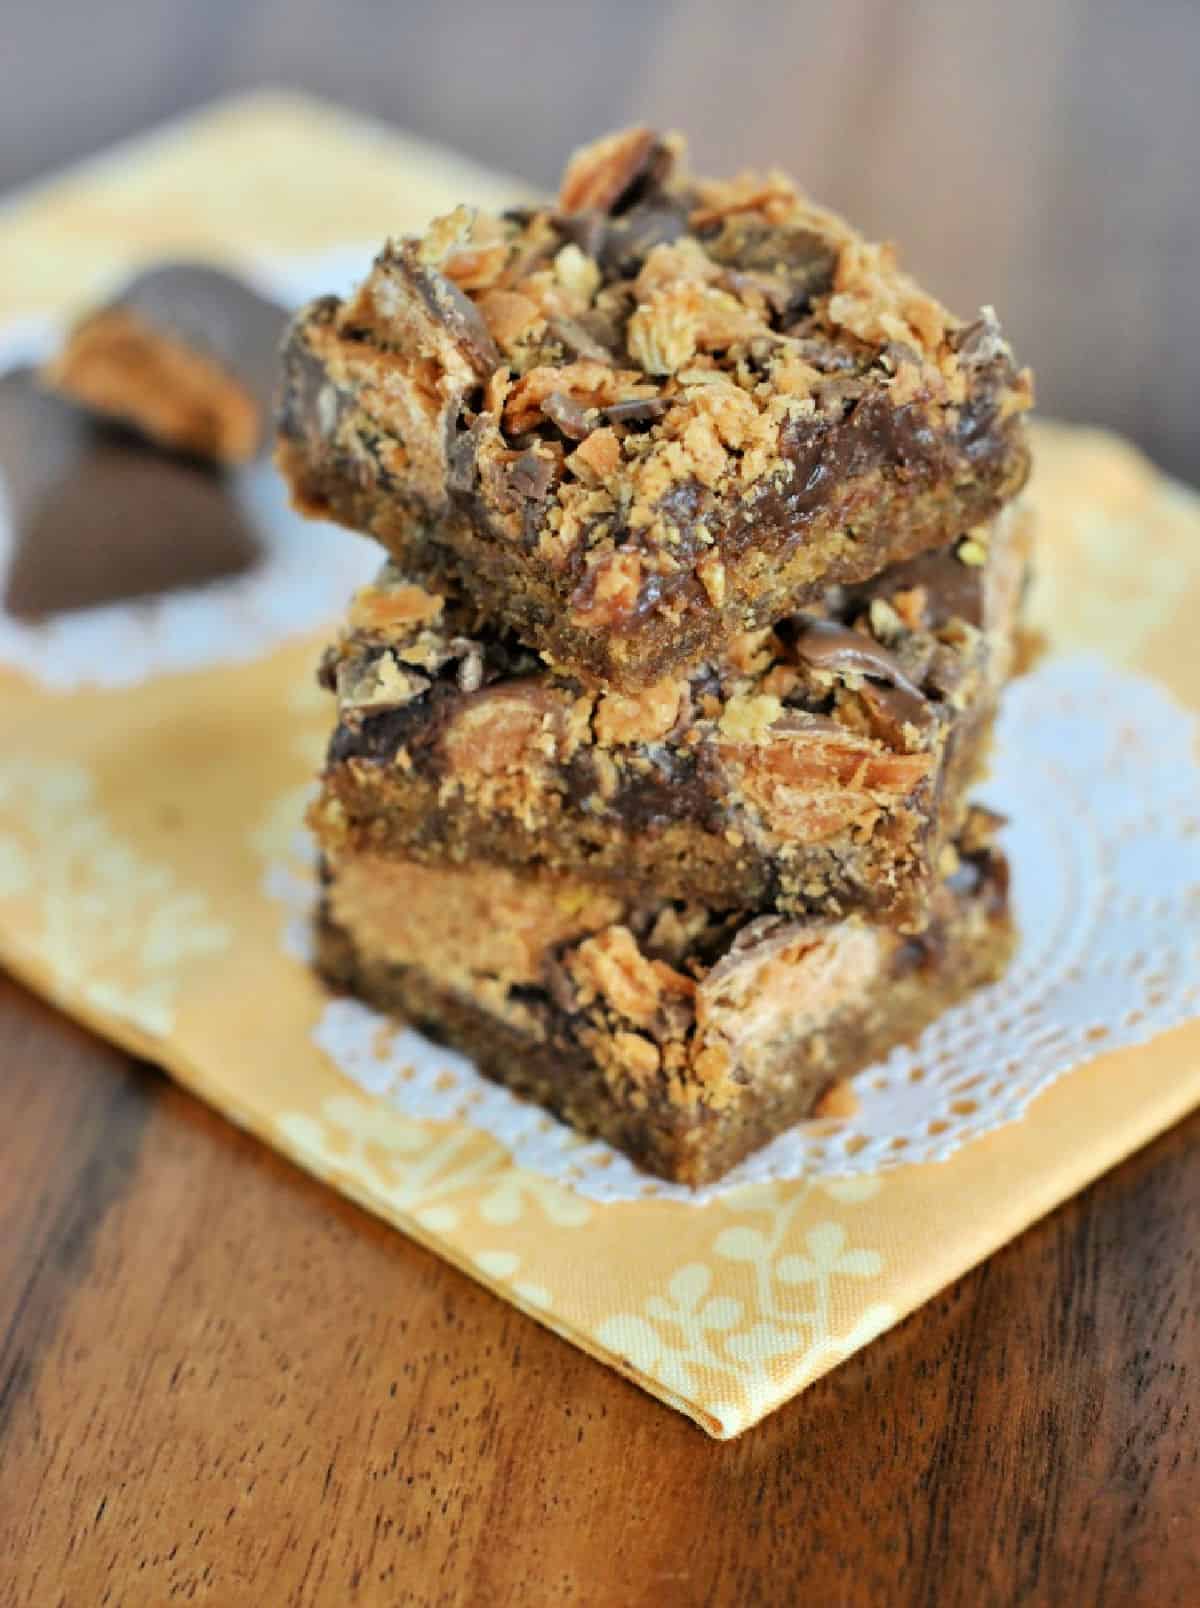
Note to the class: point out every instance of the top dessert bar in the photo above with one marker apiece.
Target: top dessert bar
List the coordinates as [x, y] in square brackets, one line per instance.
[656, 413]
[186, 354]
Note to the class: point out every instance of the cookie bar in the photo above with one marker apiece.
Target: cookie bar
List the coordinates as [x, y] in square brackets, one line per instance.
[684, 1036]
[818, 767]
[651, 416]
[95, 515]
[187, 354]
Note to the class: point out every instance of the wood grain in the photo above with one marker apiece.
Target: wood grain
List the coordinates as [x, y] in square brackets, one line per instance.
[223, 1384]
[1039, 155]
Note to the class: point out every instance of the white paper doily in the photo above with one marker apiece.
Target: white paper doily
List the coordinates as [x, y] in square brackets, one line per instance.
[1097, 772]
[305, 572]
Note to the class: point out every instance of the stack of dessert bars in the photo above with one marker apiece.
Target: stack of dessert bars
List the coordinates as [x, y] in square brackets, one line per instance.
[656, 733]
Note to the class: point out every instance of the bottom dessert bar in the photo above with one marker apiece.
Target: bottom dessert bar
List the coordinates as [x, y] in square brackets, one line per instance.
[685, 1037]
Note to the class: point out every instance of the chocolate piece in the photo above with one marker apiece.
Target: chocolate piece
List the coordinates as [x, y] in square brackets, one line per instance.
[755, 781]
[451, 307]
[621, 245]
[615, 172]
[187, 354]
[534, 472]
[642, 410]
[891, 709]
[950, 586]
[578, 341]
[682, 1035]
[97, 515]
[788, 266]
[568, 415]
[765, 406]
[826, 645]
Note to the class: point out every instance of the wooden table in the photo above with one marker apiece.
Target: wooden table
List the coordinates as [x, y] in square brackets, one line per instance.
[220, 1383]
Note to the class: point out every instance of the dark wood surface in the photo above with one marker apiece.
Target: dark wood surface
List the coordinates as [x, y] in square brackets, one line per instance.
[219, 1383]
[1041, 155]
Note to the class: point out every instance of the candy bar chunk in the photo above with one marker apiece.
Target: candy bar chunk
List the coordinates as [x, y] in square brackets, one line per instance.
[95, 515]
[187, 354]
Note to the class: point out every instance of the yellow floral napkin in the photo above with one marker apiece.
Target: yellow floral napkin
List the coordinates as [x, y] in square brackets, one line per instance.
[153, 881]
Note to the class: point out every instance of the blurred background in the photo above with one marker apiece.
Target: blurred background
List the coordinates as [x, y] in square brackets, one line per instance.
[1043, 155]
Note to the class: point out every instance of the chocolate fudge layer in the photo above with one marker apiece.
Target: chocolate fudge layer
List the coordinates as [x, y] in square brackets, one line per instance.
[819, 767]
[97, 515]
[656, 414]
[186, 353]
[683, 1036]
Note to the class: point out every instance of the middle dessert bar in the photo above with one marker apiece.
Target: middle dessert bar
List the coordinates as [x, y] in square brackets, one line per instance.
[819, 767]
